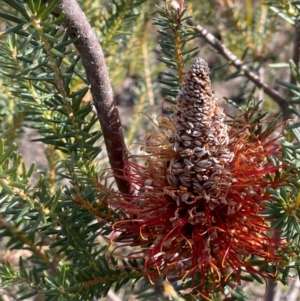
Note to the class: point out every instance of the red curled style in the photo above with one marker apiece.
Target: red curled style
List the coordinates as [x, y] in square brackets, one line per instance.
[196, 213]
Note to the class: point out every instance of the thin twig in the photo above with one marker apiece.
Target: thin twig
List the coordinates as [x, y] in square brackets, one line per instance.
[296, 51]
[94, 64]
[147, 72]
[228, 55]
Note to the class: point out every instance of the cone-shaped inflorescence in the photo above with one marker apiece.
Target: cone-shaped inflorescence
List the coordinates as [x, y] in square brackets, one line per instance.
[196, 211]
[201, 140]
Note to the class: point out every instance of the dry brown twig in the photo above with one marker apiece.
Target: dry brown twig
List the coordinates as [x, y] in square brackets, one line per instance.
[228, 55]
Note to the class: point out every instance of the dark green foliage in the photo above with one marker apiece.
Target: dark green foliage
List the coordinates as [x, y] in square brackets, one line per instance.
[61, 218]
[174, 41]
[54, 214]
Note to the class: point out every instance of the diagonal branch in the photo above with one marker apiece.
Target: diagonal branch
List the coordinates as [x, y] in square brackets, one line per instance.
[94, 64]
[228, 55]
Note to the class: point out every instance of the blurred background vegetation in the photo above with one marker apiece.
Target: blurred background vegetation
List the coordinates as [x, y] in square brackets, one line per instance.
[263, 35]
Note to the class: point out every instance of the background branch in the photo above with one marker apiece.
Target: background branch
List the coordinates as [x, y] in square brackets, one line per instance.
[93, 61]
[296, 51]
[228, 55]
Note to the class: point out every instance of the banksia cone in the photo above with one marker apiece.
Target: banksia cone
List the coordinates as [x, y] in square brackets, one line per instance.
[196, 211]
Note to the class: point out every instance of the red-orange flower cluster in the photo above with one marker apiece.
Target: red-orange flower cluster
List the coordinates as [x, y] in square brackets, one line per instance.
[196, 212]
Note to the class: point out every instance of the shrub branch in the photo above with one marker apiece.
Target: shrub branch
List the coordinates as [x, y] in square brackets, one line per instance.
[94, 63]
[228, 55]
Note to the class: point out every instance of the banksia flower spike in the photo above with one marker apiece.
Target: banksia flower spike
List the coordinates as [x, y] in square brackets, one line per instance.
[196, 211]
